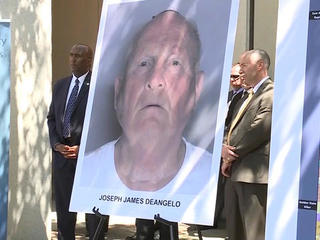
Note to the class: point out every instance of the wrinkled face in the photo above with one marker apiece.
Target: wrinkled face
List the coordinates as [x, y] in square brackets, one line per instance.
[249, 67]
[235, 79]
[161, 85]
[79, 59]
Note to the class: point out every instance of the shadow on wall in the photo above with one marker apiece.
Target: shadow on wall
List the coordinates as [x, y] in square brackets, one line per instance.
[34, 227]
[29, 166]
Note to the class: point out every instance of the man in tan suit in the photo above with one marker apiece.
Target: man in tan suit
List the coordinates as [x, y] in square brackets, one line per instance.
[245, 152]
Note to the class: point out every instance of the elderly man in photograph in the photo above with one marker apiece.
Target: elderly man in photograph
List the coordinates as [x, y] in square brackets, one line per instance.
[65, 122]
[154, 99]
[245, 152]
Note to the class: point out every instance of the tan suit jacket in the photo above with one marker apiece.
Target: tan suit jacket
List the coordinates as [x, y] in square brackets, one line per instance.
[251, 137]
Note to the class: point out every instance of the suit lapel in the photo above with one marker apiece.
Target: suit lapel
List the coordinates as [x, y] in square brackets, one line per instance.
[232, 106]
[84, 90]
[260, 90]
[255, 95]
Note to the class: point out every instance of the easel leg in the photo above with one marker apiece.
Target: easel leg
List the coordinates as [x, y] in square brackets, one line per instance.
[103, 218]
[199, 232]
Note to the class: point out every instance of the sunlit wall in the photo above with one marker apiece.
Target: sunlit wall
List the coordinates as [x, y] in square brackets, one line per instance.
[29, 160]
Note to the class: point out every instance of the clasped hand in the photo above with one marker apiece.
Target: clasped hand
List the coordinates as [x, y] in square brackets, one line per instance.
[228, 157]
[67, 151]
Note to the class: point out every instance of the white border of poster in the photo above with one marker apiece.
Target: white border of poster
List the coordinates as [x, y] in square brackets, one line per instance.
[287, 117]
[120, 20]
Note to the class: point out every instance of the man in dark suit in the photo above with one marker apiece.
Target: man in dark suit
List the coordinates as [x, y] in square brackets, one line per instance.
[234, 96]
[246, 151]
[65, 122]
[236, 91]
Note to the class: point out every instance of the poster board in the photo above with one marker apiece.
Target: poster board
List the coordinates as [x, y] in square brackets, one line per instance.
[294, 153]
[93, 186]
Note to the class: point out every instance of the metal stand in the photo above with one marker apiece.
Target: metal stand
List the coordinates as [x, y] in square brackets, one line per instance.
[165, 222]
[169, 224]
[199, 232]
[103, 218]
[156, 217]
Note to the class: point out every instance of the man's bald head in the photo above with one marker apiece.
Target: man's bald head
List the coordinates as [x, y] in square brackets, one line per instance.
[167, 21]
[80, 59]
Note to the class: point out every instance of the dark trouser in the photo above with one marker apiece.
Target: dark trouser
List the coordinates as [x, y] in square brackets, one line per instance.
[66, 221]
[220, 199]
[146, 229]
[245, 205]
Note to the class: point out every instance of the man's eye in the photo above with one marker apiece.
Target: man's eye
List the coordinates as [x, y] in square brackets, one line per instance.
[175, 63]
[143, 64]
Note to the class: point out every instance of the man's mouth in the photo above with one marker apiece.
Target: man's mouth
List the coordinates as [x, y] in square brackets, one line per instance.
[151, 106]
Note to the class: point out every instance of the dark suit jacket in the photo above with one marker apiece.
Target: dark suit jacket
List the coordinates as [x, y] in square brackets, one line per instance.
[251, 136]
[56, 113]
[232, 100]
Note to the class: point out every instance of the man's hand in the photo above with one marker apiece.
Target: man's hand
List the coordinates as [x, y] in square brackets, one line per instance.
[228, 154]
[226, 169]
[67, 151]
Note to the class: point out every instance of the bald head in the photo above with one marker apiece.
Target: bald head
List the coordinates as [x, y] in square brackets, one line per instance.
[188, 31]
[80, 59]
[166, 22]
[259, 55]
[254, 67]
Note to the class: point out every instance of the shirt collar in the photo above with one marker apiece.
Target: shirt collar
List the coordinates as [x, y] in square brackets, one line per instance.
[256, 87]
[237, 91]
[81, 78]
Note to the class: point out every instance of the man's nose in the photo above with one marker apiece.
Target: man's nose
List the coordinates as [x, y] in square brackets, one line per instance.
[72, 59]
[156, 80]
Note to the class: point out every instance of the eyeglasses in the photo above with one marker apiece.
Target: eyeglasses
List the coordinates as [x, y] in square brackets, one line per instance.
[234, 76]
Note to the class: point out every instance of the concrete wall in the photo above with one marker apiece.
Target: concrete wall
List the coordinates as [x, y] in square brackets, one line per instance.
[242, 34]
[265, 28]
[73, 21]
[29, 159]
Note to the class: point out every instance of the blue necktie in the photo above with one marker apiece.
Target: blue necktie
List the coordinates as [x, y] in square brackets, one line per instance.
[69, 110]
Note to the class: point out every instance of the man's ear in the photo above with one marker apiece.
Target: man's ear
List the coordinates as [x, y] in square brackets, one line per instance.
[117, 87]
[199, 85]
[260, 64]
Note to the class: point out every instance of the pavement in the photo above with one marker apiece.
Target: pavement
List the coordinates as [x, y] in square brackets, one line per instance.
[121, 227]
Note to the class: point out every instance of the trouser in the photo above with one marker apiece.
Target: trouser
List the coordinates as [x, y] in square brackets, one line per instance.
[220, 200]
[245, 206]
[66, 221]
